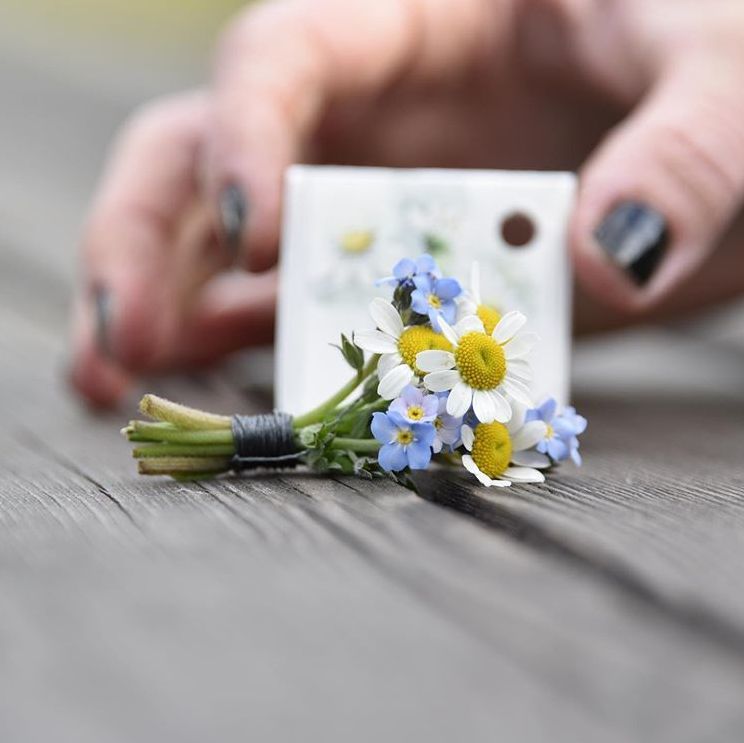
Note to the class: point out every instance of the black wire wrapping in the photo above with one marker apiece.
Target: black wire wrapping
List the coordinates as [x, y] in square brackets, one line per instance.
[266, 440]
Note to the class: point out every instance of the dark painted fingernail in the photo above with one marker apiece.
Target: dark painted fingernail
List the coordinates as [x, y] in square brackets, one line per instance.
[635, 237]
[233, 214]
[102, 311]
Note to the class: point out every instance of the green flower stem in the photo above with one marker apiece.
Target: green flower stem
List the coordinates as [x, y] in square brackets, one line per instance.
[450, 458]
[181, 416]
[197, 466]
[359, 446]
[183, 450]
[364, 411]
[145, 431]
[318, 414]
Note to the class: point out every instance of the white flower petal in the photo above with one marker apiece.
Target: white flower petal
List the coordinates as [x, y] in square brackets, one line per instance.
[469, 464]
[501, 482]
[460, 399]
[508, 326]
[520, 345]
[432, 361]
[531, 459]
[528, 435]
[519, 411]
[388, 362]
[392, 384]
[518, 390]
[447, 331]
[465, 307]
[484, 406]
[468, 437]
[469, 324]
[520, 368]
[375, 341]
[441, 381]
[386, 317]
[524, 474]
[503, 409]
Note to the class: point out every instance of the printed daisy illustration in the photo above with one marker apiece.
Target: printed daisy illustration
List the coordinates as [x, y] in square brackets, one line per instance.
[360, 253]
[433, 223]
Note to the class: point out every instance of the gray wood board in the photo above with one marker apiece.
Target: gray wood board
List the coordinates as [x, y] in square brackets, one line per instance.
[604, 606]
[294, 606]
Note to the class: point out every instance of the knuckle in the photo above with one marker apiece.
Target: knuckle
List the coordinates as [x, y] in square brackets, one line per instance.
[265, 23]
[144, 122]
[697, 162]
[153, 120]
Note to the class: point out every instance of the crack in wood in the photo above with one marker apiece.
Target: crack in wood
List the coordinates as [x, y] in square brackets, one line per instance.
[39, 444]
[696, 619]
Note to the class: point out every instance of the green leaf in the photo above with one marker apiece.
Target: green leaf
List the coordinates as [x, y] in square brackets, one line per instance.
[309, 435]
[353, 355]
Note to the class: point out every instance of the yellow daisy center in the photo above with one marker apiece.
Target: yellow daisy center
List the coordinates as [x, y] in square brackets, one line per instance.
[415, 412]
[404, 437]
[492, 448]
[480, 361]
[419, 338]
[435, 302]
[357, 241]
[488, 316]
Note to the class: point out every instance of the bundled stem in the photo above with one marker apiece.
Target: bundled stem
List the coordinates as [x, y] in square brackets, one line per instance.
[186, 443]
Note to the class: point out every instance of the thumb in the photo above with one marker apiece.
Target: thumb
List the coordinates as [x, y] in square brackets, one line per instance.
[661, 189]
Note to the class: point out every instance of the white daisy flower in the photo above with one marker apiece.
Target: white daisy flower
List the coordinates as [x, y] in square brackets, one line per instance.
[398, 347]
[470, 302]
[495, 448]
[482, 369]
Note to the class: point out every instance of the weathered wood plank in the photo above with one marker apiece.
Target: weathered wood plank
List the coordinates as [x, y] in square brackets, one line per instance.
[266, 594]
[659, 506]
[606, 607]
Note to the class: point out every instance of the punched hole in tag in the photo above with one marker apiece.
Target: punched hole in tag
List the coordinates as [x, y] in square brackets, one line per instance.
[517, 229]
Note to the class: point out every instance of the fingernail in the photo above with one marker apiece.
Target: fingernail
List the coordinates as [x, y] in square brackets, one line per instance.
[635, 237]
[102, 311]
[233, 213]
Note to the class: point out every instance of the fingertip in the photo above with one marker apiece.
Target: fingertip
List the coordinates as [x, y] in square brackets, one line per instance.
[97, 379]
[604, 271]
[137, 325]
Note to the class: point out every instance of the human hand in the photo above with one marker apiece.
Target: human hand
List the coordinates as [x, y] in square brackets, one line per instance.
[641, 95]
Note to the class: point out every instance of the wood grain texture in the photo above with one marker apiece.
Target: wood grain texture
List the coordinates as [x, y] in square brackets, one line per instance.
[606, 606]
[298, 606]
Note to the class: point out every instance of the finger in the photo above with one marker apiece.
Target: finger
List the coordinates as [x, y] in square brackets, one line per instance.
[660, 191]
[284, 65]
[127, 307]
[100, 382]
[233, 311]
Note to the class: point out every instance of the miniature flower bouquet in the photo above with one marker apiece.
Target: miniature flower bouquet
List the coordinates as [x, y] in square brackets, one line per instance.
[442, 379]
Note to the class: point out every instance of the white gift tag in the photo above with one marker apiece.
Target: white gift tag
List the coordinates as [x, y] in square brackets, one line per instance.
[346, 227]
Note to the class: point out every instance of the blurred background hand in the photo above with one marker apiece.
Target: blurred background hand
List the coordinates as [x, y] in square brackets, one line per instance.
[641, 96]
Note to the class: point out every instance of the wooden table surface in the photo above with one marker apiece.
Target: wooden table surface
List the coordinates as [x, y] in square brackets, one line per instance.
[607, 605]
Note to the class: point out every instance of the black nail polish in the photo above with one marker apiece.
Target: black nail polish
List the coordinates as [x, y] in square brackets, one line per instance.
[635, 237]
[233, 214]
[102, 311]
